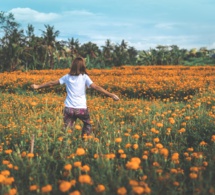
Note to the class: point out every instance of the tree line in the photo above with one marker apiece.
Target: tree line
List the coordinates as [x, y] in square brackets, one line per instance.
[23, 50]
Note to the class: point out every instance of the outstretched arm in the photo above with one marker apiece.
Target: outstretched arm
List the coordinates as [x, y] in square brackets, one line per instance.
[102, 90]
[48, 84]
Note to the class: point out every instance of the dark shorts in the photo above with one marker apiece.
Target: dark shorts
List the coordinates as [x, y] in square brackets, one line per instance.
[70, 115]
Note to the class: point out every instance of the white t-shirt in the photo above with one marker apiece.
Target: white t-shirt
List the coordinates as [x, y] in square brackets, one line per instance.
[76, 90]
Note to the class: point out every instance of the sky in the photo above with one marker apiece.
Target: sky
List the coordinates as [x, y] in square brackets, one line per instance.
[143, 24]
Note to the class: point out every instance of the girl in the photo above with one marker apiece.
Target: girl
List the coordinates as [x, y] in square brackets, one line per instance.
[75, 103]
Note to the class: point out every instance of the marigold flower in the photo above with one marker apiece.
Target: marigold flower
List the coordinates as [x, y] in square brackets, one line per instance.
[138, 190]
[193, 175]
[65, 186]
[95, 155]
[176, 183]
[171, 120]
[133, 182]
[6, 173]
[60, 139]
[8, 151]
[100, 188]
[77, 164]
[144, 157]
[156, 140]
[80, 151]
[118, 140]
[123, 155]
[85, 168]
[132, 165]
[135, 136]
[148, 144]
[76, 192]
[33, 187]
[213, 138]
[135, 146]
[121, 191]
[159, 146]
[12, 191]
[68, 167]
[128, 145]
[5, 162]
[120, 151]
[30, 155]
[23, 154]
[9, 180]
[159, 124]
[2, 178]
[203, 143]
[164, 152]
[85, 179]
[46, 189]
[78, 127]
[10, 166]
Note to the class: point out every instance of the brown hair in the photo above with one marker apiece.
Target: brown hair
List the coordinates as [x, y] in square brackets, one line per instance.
[78, 67]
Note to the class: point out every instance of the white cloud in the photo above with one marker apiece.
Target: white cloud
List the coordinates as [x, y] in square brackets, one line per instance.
[164, 26]
[29, 15]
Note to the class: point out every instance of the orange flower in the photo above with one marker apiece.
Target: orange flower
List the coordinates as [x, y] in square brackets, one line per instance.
[138, 190]
[46, 189]
[100, 188]
[30, 155]
[80, 151]
[6, 173]
[68, 167]
[164, 152]
[33, 187]
[213, 138]
[85, 168]
[8, 151]
[77, 164]
[2, 178]
[135, 146]
[85, 179]
[122, 191]
[76, 192]
[156, 140]
[193, 175]
[65, 186]
[78, 127]
[118, 140]
[5, 162]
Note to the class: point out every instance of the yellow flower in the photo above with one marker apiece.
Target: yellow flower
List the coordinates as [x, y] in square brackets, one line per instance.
[46, 189]
[65, 186]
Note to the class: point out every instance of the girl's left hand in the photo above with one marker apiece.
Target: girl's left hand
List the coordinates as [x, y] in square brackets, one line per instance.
[34, 86]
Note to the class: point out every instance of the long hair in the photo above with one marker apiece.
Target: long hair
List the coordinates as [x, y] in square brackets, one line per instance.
[78, 67]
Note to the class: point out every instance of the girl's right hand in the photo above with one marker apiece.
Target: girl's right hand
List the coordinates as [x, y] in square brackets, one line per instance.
[115, 97]
[34, 86]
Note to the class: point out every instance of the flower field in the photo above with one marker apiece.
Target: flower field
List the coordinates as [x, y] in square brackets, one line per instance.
[158, 139]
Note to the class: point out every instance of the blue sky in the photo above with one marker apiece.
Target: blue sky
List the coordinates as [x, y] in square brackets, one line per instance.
[143, 24]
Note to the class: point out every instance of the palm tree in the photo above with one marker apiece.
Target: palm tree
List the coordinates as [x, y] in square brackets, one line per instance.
[74, 47]
[49, 37]
[90, 49]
